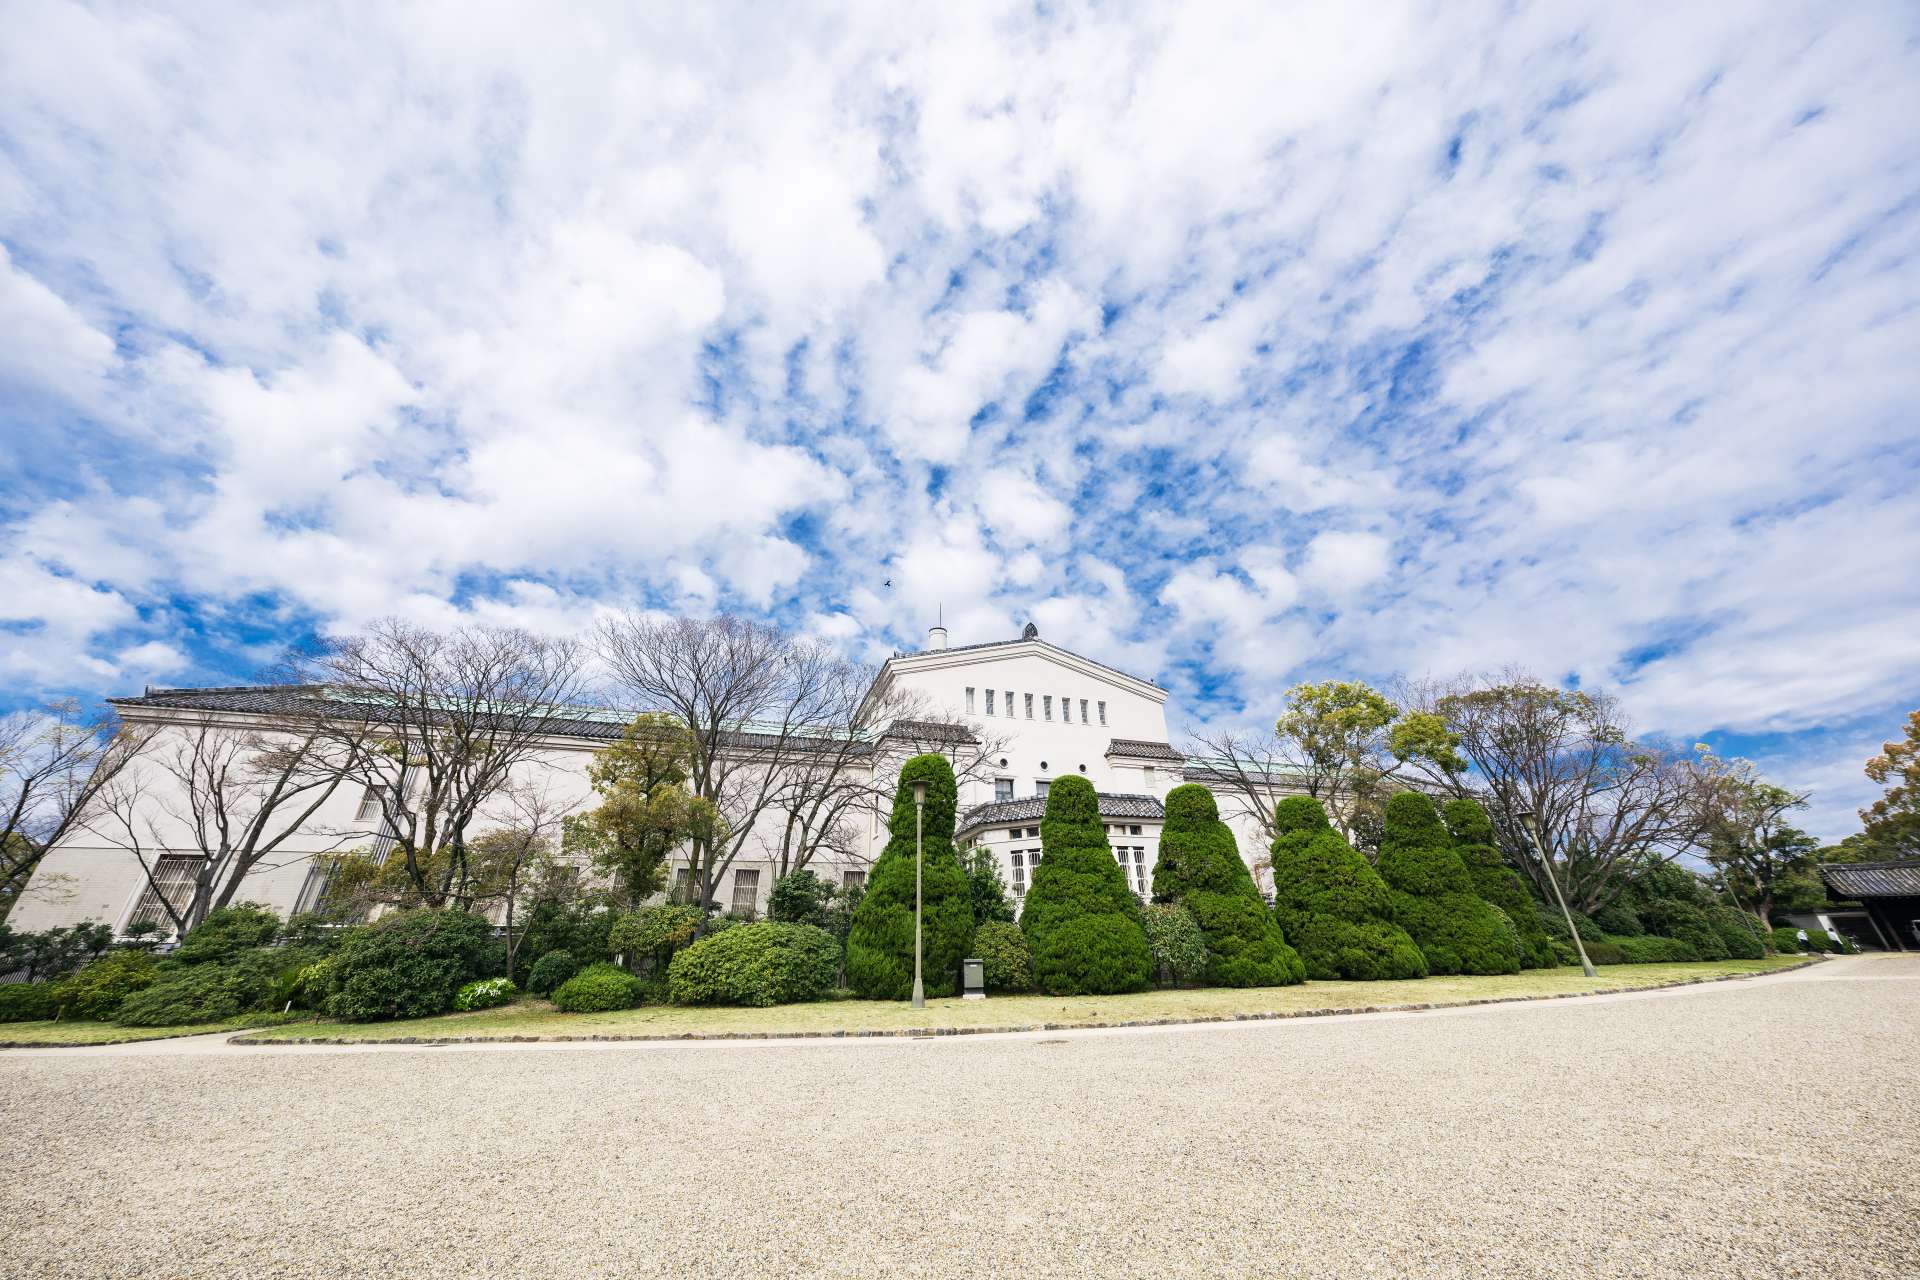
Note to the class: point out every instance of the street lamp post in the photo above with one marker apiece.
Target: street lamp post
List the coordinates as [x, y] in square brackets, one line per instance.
[919, 816]
[1533, 834]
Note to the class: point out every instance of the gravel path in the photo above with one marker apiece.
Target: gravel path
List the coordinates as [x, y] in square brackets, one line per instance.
[1750, 1129]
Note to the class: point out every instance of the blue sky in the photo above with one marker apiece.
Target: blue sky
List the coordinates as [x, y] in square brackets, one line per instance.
[1233, 346]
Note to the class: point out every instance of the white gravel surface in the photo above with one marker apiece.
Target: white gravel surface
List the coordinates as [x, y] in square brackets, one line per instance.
[1751, 1129]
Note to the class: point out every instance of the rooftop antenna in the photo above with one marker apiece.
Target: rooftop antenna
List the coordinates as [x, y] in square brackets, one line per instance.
[937, 634]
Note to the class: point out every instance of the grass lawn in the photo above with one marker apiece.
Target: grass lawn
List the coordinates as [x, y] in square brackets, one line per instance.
[535, 1019]
[20, 1034]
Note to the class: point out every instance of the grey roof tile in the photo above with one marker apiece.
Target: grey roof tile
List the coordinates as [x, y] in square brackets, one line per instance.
[1897, 879]
[1144, 748]
[1033, 808]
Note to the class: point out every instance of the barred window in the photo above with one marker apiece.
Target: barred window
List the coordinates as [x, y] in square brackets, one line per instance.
[1046, 706]
[853, 879]
[683, 885]
[969, 701]
[1029, 704]
[746, 892]
[172, 876]
[1083, 711]
[989, 702]
[370, 804]
[313, 892]
[1103, 712]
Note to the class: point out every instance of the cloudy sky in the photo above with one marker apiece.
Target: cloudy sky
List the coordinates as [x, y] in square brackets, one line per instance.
[1232, 347]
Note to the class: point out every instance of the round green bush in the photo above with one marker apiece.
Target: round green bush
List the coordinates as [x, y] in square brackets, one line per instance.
[550, 970]
[1174, 939]
[485, 993]
[1432, 895]
[1619, 920]
[1080, 918]
[597, 989]
[657, 932]
[1006, 963]
[227, 932]
[1200, 868]
[27, 1001]
[1786, 940]
[1331, 902]
[1649, 949]
[241, 982]
[1739, 932]
[1688, 921]
[880, 942]
[756, 964]
[1820, 940]
[1498, 883]
[97, 991]
[406, 965]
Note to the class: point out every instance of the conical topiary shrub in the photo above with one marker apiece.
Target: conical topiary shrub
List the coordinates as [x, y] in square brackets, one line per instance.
[1332, 903]
[1498, 883]
[1080, 919]
[880, 941]
[1200, 868]
[1432, 898]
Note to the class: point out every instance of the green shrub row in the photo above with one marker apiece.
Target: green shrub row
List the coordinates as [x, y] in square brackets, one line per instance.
[756, 964]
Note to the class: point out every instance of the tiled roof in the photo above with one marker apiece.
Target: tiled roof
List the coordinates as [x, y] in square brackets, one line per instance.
[1143, 748]
[1033, 808]
[1900, 879]
[595, 723]
[930, 731]
[1033, 639]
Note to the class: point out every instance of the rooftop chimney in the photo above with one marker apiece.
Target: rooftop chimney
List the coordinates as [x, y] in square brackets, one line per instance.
[937, 633]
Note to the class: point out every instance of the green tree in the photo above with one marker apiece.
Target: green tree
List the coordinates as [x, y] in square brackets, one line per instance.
[880, 943]
[1432, 895]
[1497, 882]
[645, 810]
[987, 889]
[1893, 821]
[1201, 869]
[1082, 921]
[800, 897]
[1331, 902]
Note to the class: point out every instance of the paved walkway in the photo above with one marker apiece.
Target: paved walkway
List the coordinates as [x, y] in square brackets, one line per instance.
[1763, 1127]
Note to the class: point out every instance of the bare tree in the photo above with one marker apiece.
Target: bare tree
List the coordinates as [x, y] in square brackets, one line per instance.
[1603, 801]
[517, 850]
[449, 717]
[55, 765]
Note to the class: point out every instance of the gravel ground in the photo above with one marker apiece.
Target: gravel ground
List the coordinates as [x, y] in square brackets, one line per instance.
[1751, 1129]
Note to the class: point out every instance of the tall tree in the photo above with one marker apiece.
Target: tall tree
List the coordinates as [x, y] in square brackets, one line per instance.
[1432, 896]
[1081, 920]
[446, 720]
[1602, 801]
[1200, 868]
[1758, 853]
[1333, 905]
[1893, 821]
[1498, 883]
[645, 810]
[56, 767]
[880, 945]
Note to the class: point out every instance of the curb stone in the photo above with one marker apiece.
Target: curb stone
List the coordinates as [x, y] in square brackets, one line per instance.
[902, 1033]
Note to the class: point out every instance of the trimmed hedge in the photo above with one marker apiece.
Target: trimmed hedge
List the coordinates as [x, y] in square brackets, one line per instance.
[98, 990]
[1006, 961]
[1175, 940]
[1498, 883]
[1650, 949]
[1618, 920]
[27, 1002]
[242, 982]
[1331, 902]
[1432, 895]
[1739, 931]
[406, 965]
[1601, 951]
[550, 970]
[598, 988]
[1786, 940]
[1081, 920]
[880, 941]
[1688, 921]
[226, 933]
[1200, 868]
[758, 965]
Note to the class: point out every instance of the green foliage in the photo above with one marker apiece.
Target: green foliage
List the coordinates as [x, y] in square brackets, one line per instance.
[54, 953]
[227, 932]
[1005, 960]
[1649, 949]
[655, 933]
[1786, 940]
[800, 897]
[1175, 941]
[550, 970]
[1432, 894]
[1619, 920]
[1555, 924]
[1688, 921]
[1738, 932]
[1081, 920]
[1601, 951]
[880, 943]
[1821, 940]
[27, 1001]
[1498, 883]
[757, 964]
[597, 988]
[406, 965]
[985, 888]
[209, 991]
[645, 810]
[1200, 868]
[97, 991]
[1892, 823]
[484, 993]
[1332, 903]
[578, 927]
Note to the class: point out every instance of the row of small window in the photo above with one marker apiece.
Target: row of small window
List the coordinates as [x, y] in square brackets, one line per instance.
[1005, 700]
[1132, 860]
[746, 887]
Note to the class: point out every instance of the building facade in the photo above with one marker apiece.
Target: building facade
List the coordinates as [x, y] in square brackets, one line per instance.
[1026, 712]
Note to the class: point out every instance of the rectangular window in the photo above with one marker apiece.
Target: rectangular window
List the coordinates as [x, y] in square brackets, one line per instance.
[313, 892]
[1003, 788]
[1083, 711]
[989, 702]
[173, 878]
[1103, 712]
[1147, 774]
[1006, 698]
[370, 804]
[1029, 704]
[1066, 710]
[1019, 872]
[1133, 831]
[853, 879]
[969, 701]
[1040, 788]
[746, 892]
[1046, 706]
[683, 885]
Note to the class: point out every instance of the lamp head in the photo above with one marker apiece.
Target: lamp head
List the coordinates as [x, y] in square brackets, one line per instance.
[919, 791]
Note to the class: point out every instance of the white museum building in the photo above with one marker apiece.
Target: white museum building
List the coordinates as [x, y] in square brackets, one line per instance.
[1036, 712]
